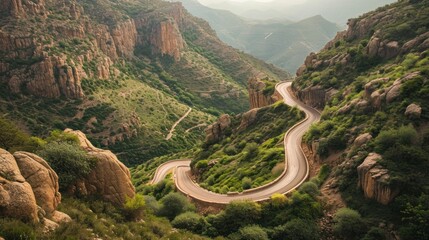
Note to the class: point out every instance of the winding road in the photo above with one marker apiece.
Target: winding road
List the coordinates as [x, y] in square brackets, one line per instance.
[295, 173]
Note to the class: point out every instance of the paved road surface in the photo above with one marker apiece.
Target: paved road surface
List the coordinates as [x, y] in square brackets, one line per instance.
[296, 163]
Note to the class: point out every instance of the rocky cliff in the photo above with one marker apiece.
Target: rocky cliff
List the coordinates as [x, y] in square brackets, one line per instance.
[259, 94]
[29, 190]
[374, 180]
[110, 179]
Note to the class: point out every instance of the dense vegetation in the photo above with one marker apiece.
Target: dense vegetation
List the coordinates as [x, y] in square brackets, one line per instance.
[249, 157]
[400, 138]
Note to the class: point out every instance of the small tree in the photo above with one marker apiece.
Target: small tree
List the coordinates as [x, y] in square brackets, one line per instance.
[296, 229]
[68, 161]
[278, 200]
[246, 183]
[174, 204]
[190, 221]
[134, 207]
[310, 188]
[348, 224]
[253, 232]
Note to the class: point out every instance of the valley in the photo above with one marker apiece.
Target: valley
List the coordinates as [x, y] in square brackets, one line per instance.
[131, 119]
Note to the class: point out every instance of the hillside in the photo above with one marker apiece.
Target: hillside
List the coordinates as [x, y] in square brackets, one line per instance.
[123, 72]
[371, 82]
[280, 42]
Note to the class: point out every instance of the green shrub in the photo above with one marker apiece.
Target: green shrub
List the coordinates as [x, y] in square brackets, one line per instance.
[190, 221]
[296, 229]
[405, 135]
[13, 139]
[253, 232]
[60, 136]
[278, 200]
[348, 224]
[16, 230]
[174, 204]
[68, 161]
[134, 207]
[246, 183]
[375, 233]
[310, 188]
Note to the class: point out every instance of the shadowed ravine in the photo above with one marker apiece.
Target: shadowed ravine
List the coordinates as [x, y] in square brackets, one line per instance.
[295, 173]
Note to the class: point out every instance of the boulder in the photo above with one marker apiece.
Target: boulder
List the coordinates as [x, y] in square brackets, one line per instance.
[42, 178]
[374, 180]
[413, 111]
[110, 179]
[60, 217]
[362, 139]
[16, 196]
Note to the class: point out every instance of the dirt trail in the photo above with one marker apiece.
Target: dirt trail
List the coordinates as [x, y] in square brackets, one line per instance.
[170, 134]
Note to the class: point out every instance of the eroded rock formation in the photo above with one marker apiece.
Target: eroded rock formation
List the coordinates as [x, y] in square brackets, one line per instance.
[374, 180]
[42, 178]
[110, 179]
[257, 97]
[216, 131]
[16, 196]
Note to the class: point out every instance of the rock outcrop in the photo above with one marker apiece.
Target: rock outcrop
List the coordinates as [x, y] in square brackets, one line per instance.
[247, 119]
[16, 196]
[413, 111]
[362, 139]
[216, 131]
[51, 71]
[313, 96]
[257, 97]
[374, 180]
[29, 190]
[43, 180]
[110, 179]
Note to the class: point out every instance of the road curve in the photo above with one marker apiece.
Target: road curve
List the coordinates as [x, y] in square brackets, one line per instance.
[296, 171]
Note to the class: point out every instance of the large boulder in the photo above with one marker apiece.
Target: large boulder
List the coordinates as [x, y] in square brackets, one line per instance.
[110, 179]
[362, 139]
[413, 111]
[247, 119]
[374, 180]
[42, 178]
[16, 196]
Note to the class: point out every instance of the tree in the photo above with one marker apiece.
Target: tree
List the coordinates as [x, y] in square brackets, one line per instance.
[246, 183]
[296, 229]
[174, 204]
[69, 161]
[134, 207]
[13, 139]
[278, 200]
[190, 221]
[252, 232]
[310, 188]
[237, 214]
[348, 224]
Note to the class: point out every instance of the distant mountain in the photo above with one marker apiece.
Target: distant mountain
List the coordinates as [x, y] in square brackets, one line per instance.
[338, 11]
[281, 42]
